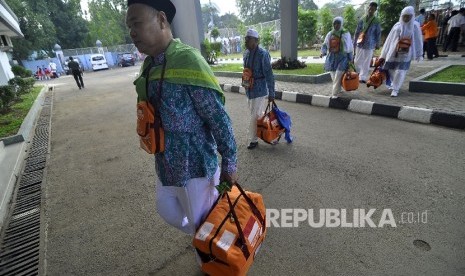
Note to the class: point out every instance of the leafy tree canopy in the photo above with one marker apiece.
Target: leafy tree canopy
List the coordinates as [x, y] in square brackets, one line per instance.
[308, 5]
[256, 11]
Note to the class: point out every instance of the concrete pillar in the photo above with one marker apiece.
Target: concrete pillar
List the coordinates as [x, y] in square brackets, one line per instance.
[187, 23]
[5, 69]
[288, 29]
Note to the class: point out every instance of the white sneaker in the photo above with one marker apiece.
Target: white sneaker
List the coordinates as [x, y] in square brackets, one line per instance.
[394, 93]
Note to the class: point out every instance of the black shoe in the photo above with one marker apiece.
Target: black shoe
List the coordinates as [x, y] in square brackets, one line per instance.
[252, 145]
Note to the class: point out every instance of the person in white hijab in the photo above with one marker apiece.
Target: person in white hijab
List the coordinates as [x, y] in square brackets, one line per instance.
[339, 48]
[397, 56]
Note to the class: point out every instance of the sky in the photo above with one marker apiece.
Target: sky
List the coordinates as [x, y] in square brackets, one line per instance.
[226, 6]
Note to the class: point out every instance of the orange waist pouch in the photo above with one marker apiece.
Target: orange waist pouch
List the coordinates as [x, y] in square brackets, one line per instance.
[247, 78]
[231, 235]
[149, 129]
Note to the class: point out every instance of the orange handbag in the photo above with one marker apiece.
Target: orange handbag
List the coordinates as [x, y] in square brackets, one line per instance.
[247, 78]
[231, 235]
[376, 78]
[149, 125]
[334, 44]
[268, 127]
[350, 79]
[149, 129]
[361, 38]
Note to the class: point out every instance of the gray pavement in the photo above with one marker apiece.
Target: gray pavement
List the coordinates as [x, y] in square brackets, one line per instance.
[99, 214]
[446, 103]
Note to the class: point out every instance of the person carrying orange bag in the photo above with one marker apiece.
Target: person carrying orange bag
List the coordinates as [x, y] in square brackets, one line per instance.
[430, 30]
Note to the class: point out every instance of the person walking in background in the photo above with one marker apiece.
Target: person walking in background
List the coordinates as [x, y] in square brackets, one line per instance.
[76, 70]
[403, 44]
[421, 17]
[53, 68]
[339, 49]
[367, 38]
[258, 82]
[47, 72]
[430, 30]
[39, 73]
[178, 83]
[456, 26]
[447, 27]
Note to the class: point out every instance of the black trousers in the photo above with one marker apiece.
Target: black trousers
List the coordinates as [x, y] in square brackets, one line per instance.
[78, 78]
[431, 48]
[454, 38]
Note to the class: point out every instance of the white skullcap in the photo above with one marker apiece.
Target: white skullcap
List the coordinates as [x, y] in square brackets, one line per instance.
[252, 33]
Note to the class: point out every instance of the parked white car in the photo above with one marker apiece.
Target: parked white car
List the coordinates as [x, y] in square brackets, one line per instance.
[98, 62]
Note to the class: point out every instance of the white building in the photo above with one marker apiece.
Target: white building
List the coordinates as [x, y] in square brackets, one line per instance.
[9, 27]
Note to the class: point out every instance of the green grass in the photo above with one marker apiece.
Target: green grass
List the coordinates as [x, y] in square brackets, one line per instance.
[300, 53]
[455, 73]
[12, 120]
[277, 54]
[311, 69]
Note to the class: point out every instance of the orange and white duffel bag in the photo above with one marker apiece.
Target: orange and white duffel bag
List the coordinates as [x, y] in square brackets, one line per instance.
[231, 235]
[268, 127]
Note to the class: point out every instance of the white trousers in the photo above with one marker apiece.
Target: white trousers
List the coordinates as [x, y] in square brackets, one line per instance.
[186, 207]
[397, 79]
[257, 108]
[336, 76]
[362, 62]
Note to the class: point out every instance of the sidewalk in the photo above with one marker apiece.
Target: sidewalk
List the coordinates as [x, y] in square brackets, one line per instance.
[453, 105]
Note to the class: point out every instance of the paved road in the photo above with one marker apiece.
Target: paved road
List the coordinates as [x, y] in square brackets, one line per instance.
[100, 214]
[447, 103]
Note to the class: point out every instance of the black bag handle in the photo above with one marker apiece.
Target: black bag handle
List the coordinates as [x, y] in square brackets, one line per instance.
[241, 240]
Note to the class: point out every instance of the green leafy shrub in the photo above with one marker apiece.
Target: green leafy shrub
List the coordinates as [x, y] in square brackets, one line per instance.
[210, 51]
[20, 71]
[287, 64]
[22, 85]
[7, 95]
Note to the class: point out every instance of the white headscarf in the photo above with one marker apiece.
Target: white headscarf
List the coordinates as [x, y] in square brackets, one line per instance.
[407, 28]
[340, 19]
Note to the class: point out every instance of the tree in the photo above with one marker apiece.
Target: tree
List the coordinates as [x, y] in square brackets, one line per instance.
[389, 14]
[256, 11]
[107, 22]
[229, 20]
[306, 26]
[350, 19]
[215, 34]
[71, 28]
[337, 7]
[326, 21]
[34, 21]
[266, 37]
[210, 14]
[308, 5]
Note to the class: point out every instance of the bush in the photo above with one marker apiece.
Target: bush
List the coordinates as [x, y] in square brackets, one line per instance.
[286, 64]
[20, 71]
[21, 85]
[210, 51]
[7, 95]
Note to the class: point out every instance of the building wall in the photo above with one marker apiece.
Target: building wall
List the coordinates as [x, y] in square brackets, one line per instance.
[5, 69]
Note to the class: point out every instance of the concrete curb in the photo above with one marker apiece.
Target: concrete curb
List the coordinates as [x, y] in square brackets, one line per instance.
[315, 79]
[406, 113]
[423, 86]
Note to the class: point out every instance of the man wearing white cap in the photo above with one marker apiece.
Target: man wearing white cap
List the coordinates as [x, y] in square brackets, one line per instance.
[258, 80]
